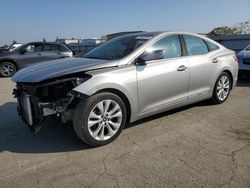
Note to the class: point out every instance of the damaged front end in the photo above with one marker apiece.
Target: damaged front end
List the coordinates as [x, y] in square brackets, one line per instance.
[50, 98]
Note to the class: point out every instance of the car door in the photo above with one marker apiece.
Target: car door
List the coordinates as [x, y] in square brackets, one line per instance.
[202, 66]
[163, 83]
[51, 52]
[31, 53]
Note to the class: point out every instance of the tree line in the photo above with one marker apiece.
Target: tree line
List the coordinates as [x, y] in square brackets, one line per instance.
[238, 29]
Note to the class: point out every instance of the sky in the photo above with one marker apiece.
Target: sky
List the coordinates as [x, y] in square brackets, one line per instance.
[30, 20]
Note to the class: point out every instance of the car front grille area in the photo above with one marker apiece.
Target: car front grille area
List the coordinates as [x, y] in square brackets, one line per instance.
[28, 106]
[36, 103]
[246, 61]
[25, 102]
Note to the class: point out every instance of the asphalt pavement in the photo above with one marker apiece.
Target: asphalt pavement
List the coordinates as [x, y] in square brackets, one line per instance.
[200, 145]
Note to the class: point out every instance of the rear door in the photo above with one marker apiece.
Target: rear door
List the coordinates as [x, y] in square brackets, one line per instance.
[51, 52]
[202, 66]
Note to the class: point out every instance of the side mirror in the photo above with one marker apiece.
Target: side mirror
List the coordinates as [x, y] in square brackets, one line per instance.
[150, 56]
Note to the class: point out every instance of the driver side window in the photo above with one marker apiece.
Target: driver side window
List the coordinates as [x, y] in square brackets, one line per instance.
[33, 48]
[170, 45]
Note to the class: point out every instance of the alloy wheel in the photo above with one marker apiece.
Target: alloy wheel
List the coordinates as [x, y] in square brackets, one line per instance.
[105, 120]
[7, 69]
[223, 88]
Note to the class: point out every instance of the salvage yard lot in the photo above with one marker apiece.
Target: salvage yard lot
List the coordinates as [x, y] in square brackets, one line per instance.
[200, 145]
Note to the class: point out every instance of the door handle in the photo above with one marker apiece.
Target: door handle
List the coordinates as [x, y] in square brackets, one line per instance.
[181, 68]
[215, 60]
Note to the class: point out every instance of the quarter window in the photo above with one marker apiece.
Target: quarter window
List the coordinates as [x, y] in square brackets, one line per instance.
[170, 45]
[195, 45]
[63, 49]
[211, 46]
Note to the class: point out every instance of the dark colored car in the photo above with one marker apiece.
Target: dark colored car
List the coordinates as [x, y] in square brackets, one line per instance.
[3, 50]
[12, 61]
[244, 62]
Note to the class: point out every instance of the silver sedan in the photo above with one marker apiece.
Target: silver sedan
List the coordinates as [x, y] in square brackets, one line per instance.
[124, 80]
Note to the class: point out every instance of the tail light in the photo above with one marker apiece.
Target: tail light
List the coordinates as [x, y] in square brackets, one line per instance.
[235, 59]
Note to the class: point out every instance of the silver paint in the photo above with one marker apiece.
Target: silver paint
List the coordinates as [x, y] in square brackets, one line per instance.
[152, 88]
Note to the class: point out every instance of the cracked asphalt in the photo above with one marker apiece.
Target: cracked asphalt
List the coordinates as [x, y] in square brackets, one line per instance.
[200, 145]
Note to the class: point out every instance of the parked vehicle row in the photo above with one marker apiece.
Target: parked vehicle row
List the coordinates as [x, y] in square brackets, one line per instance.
[124, 80]
[24, 55]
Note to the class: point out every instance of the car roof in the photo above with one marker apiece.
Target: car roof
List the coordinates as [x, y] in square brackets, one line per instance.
[155, 33]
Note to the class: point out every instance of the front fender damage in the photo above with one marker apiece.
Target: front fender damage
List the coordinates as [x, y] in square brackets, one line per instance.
[52, 98]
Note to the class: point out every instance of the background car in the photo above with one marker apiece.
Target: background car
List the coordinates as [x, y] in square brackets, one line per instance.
[4, 49]
[244, 61]
[22, 56]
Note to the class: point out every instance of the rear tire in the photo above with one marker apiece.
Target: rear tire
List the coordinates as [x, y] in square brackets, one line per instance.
[7, 69]
[222, 88]
[99, 119]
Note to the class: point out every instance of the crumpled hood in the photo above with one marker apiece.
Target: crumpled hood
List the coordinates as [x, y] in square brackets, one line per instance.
[56, 68]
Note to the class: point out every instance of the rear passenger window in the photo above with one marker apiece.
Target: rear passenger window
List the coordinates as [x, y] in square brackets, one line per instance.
[54, 47]
[211, 46]
[170, 45]
[195, 45]
[50, 47]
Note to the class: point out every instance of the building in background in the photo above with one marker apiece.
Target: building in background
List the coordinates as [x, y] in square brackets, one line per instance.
[91, 42]
[68, 41]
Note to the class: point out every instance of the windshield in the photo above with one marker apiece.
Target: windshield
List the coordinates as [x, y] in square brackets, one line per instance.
[19, 47]
[116, 48]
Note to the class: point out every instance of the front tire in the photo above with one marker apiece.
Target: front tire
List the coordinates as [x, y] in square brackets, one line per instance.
[99, 119]
[7, 69]
[222, 88]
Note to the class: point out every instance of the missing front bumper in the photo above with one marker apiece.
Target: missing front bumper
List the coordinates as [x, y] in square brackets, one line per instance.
[34, 113]
[26, 110]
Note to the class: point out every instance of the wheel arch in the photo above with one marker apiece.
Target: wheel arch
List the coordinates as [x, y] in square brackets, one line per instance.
[11, 61]
[231, 76]
[123, 97]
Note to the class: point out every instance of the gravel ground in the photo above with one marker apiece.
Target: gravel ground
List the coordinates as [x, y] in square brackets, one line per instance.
[200, 145]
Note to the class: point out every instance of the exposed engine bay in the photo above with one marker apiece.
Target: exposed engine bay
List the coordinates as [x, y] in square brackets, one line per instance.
[51, 97]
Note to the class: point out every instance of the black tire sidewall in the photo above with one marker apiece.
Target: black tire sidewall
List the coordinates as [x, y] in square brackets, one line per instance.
[215, 98]
[81, 114]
